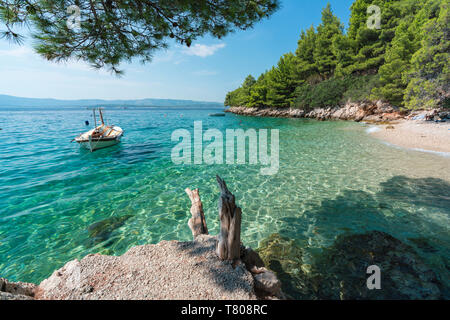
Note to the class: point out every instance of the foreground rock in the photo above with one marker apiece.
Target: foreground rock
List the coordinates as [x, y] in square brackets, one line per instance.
[16, 290]
[168, 270]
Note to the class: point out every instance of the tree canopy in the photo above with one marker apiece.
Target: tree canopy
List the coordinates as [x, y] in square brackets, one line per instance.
[112, 31]
[403, 58]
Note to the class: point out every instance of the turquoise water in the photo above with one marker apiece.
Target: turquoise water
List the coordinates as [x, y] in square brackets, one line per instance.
[333, 178]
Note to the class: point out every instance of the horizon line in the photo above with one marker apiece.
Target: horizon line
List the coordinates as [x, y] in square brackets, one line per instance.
[103, 99]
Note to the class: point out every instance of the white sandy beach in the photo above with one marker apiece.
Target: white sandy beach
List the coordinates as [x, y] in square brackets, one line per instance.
[423, 135]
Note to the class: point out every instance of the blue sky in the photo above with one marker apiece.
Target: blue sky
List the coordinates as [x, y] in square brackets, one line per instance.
[206, 71]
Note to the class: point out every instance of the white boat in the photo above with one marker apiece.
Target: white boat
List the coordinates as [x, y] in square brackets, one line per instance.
[100, 137]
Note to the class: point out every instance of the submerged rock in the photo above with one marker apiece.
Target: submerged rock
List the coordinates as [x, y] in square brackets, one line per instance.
[403, 274]
[340, 271]
[100, 231]
[423, 244]
[284, 257]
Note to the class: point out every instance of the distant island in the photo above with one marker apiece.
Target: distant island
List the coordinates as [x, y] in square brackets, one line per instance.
[12, 101]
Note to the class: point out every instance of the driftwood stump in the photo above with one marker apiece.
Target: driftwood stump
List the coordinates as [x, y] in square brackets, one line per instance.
[197, 223]
[229, 245]
[230, 215]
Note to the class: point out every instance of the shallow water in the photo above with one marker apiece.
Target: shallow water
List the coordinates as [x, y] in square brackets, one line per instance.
[334, 178]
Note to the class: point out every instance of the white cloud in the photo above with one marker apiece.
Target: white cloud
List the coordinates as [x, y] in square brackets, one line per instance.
[28, 56]
[203, 50]
[17, 52]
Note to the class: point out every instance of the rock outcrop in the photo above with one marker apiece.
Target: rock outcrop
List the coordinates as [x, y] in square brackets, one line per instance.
[16, 290]
[377, 111]
[167, 270]
[438, 115]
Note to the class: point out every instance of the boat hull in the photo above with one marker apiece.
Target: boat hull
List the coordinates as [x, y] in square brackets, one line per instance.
[91, 143]
[96, 145]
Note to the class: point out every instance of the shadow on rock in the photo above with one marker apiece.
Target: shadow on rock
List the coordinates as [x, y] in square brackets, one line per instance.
[226, 276]
[284, 257]
[340, 272]
[428, 192]
[337, 240]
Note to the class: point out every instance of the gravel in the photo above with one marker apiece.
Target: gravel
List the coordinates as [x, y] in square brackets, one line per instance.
[168, 270]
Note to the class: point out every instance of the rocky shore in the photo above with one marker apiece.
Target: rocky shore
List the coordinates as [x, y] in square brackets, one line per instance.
[278, 269]
[168, 270]
[377, 111]
[192, 270]
[424, 130]
[164, 271]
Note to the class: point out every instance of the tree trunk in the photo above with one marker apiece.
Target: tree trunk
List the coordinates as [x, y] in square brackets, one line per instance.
[229, 244]
[197, 223]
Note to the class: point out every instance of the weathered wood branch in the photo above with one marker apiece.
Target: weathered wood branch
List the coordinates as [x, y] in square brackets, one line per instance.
[230, 215]
[229, 245]
[197, 223]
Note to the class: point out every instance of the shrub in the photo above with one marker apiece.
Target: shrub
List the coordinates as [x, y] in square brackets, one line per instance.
[334, 91]
[359, 88]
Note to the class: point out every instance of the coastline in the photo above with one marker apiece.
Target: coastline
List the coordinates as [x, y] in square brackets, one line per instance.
[408, 130]
[416, 135]
[154, 271]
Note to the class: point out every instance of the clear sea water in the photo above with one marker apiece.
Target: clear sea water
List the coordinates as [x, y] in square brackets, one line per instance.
[334, 178]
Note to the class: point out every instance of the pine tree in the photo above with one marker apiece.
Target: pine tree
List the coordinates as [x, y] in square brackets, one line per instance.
[370, 43]
[405, 61]
[343, 50]
[114, 31]
[392, 73]
[429, 78]
[258, 93]
[249, 82]
[241, 96]
[306, 65]
[324, 57]
[407, 41]
[282, 82]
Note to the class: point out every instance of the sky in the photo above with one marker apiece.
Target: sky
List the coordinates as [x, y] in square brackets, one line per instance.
[204, 72]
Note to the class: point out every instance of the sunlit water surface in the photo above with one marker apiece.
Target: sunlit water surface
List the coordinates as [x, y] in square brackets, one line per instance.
[334, 178]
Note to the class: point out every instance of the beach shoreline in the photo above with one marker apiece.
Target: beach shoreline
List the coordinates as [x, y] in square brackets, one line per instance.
[409, 130]
[416, 135]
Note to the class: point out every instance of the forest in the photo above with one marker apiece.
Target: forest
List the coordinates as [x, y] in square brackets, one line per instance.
[396, 51]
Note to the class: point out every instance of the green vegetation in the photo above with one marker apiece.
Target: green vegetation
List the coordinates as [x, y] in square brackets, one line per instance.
[405, 61]
[113, 31]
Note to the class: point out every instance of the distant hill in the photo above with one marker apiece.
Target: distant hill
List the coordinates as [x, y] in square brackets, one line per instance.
[11, 101]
